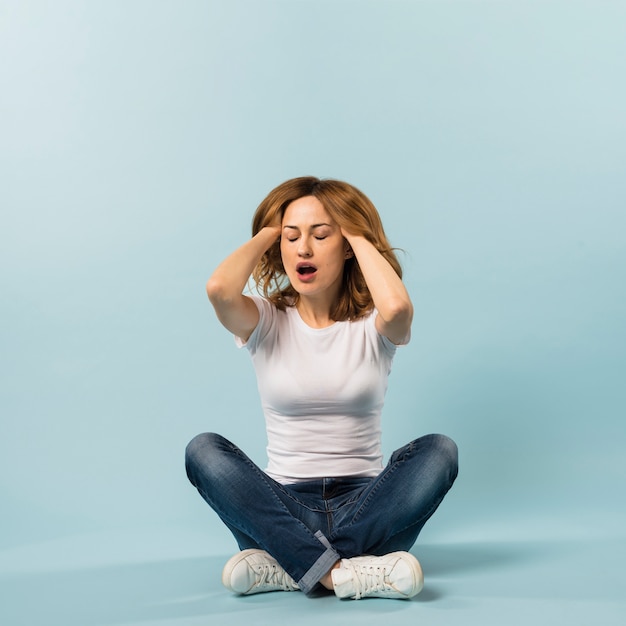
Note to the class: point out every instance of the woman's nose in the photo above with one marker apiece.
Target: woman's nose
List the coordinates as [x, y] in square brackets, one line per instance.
[304, 249]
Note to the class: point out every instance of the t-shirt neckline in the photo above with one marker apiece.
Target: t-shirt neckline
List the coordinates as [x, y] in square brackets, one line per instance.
[311, 329]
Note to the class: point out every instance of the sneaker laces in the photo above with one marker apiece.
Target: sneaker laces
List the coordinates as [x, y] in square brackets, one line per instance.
[369, 579]
[273, 575]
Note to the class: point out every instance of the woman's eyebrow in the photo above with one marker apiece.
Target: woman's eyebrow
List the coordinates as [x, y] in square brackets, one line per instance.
[311, 227]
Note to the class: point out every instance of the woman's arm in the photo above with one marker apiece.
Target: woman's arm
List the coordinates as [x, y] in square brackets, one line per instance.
[391, 299]
[234, 310]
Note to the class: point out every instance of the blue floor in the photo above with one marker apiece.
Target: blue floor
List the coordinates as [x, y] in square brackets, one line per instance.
[158, 576]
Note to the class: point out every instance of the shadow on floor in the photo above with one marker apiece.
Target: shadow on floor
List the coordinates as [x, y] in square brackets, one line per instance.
[454, 559]
[182, 590]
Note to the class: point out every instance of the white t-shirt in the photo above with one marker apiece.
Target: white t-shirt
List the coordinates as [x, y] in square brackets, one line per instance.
[322, 392]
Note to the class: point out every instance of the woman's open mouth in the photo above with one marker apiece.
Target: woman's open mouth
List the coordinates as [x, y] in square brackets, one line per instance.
[306, 271]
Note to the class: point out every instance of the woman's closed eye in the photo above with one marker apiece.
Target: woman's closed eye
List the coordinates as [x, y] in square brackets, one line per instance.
[318, 237]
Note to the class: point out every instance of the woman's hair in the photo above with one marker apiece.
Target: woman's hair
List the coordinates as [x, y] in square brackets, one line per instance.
[352, 210]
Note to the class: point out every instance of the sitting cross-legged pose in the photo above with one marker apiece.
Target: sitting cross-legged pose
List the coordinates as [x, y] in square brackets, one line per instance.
[322, 337]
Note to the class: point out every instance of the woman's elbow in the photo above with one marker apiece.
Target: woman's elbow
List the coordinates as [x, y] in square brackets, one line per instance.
[399, 311]
[215, 289]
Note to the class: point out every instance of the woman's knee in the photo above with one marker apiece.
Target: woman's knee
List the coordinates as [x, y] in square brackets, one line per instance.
[201, 451]
[446, 445]
[201, 444]
[436, 451]
[448, 451]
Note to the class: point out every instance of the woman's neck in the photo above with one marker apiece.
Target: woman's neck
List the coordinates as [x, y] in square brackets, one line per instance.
[314, 313]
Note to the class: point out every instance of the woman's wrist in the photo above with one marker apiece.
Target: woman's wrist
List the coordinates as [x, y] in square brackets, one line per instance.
[271, 231]
[268, 235]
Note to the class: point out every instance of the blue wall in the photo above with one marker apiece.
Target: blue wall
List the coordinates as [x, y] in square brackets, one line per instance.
[136, 139]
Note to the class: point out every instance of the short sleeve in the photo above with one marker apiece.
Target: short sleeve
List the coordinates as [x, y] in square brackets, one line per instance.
[388, 345]
[267, 313]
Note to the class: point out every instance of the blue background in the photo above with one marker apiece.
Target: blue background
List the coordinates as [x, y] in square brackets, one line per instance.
[136, 140]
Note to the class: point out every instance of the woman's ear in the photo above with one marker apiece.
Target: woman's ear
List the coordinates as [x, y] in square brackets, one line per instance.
[349, 253]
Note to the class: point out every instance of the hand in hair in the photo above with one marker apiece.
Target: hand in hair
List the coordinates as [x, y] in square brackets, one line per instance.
[395, 310]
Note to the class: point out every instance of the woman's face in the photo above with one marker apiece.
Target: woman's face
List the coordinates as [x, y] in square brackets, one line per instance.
[313, 249]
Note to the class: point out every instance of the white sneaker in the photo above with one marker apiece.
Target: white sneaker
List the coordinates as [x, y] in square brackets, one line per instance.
[255, 571]
[394, 575]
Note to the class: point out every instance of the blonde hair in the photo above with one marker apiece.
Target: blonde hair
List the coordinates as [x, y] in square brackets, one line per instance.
[352, 210]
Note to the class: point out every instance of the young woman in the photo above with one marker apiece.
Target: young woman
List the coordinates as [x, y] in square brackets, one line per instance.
[324, 513]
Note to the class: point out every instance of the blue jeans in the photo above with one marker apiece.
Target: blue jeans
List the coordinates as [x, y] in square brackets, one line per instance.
[310, 525]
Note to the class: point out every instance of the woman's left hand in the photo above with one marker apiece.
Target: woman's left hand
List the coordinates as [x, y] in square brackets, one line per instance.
[346, 233]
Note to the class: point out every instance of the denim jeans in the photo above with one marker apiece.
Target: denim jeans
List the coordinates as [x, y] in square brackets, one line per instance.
[310, 525]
